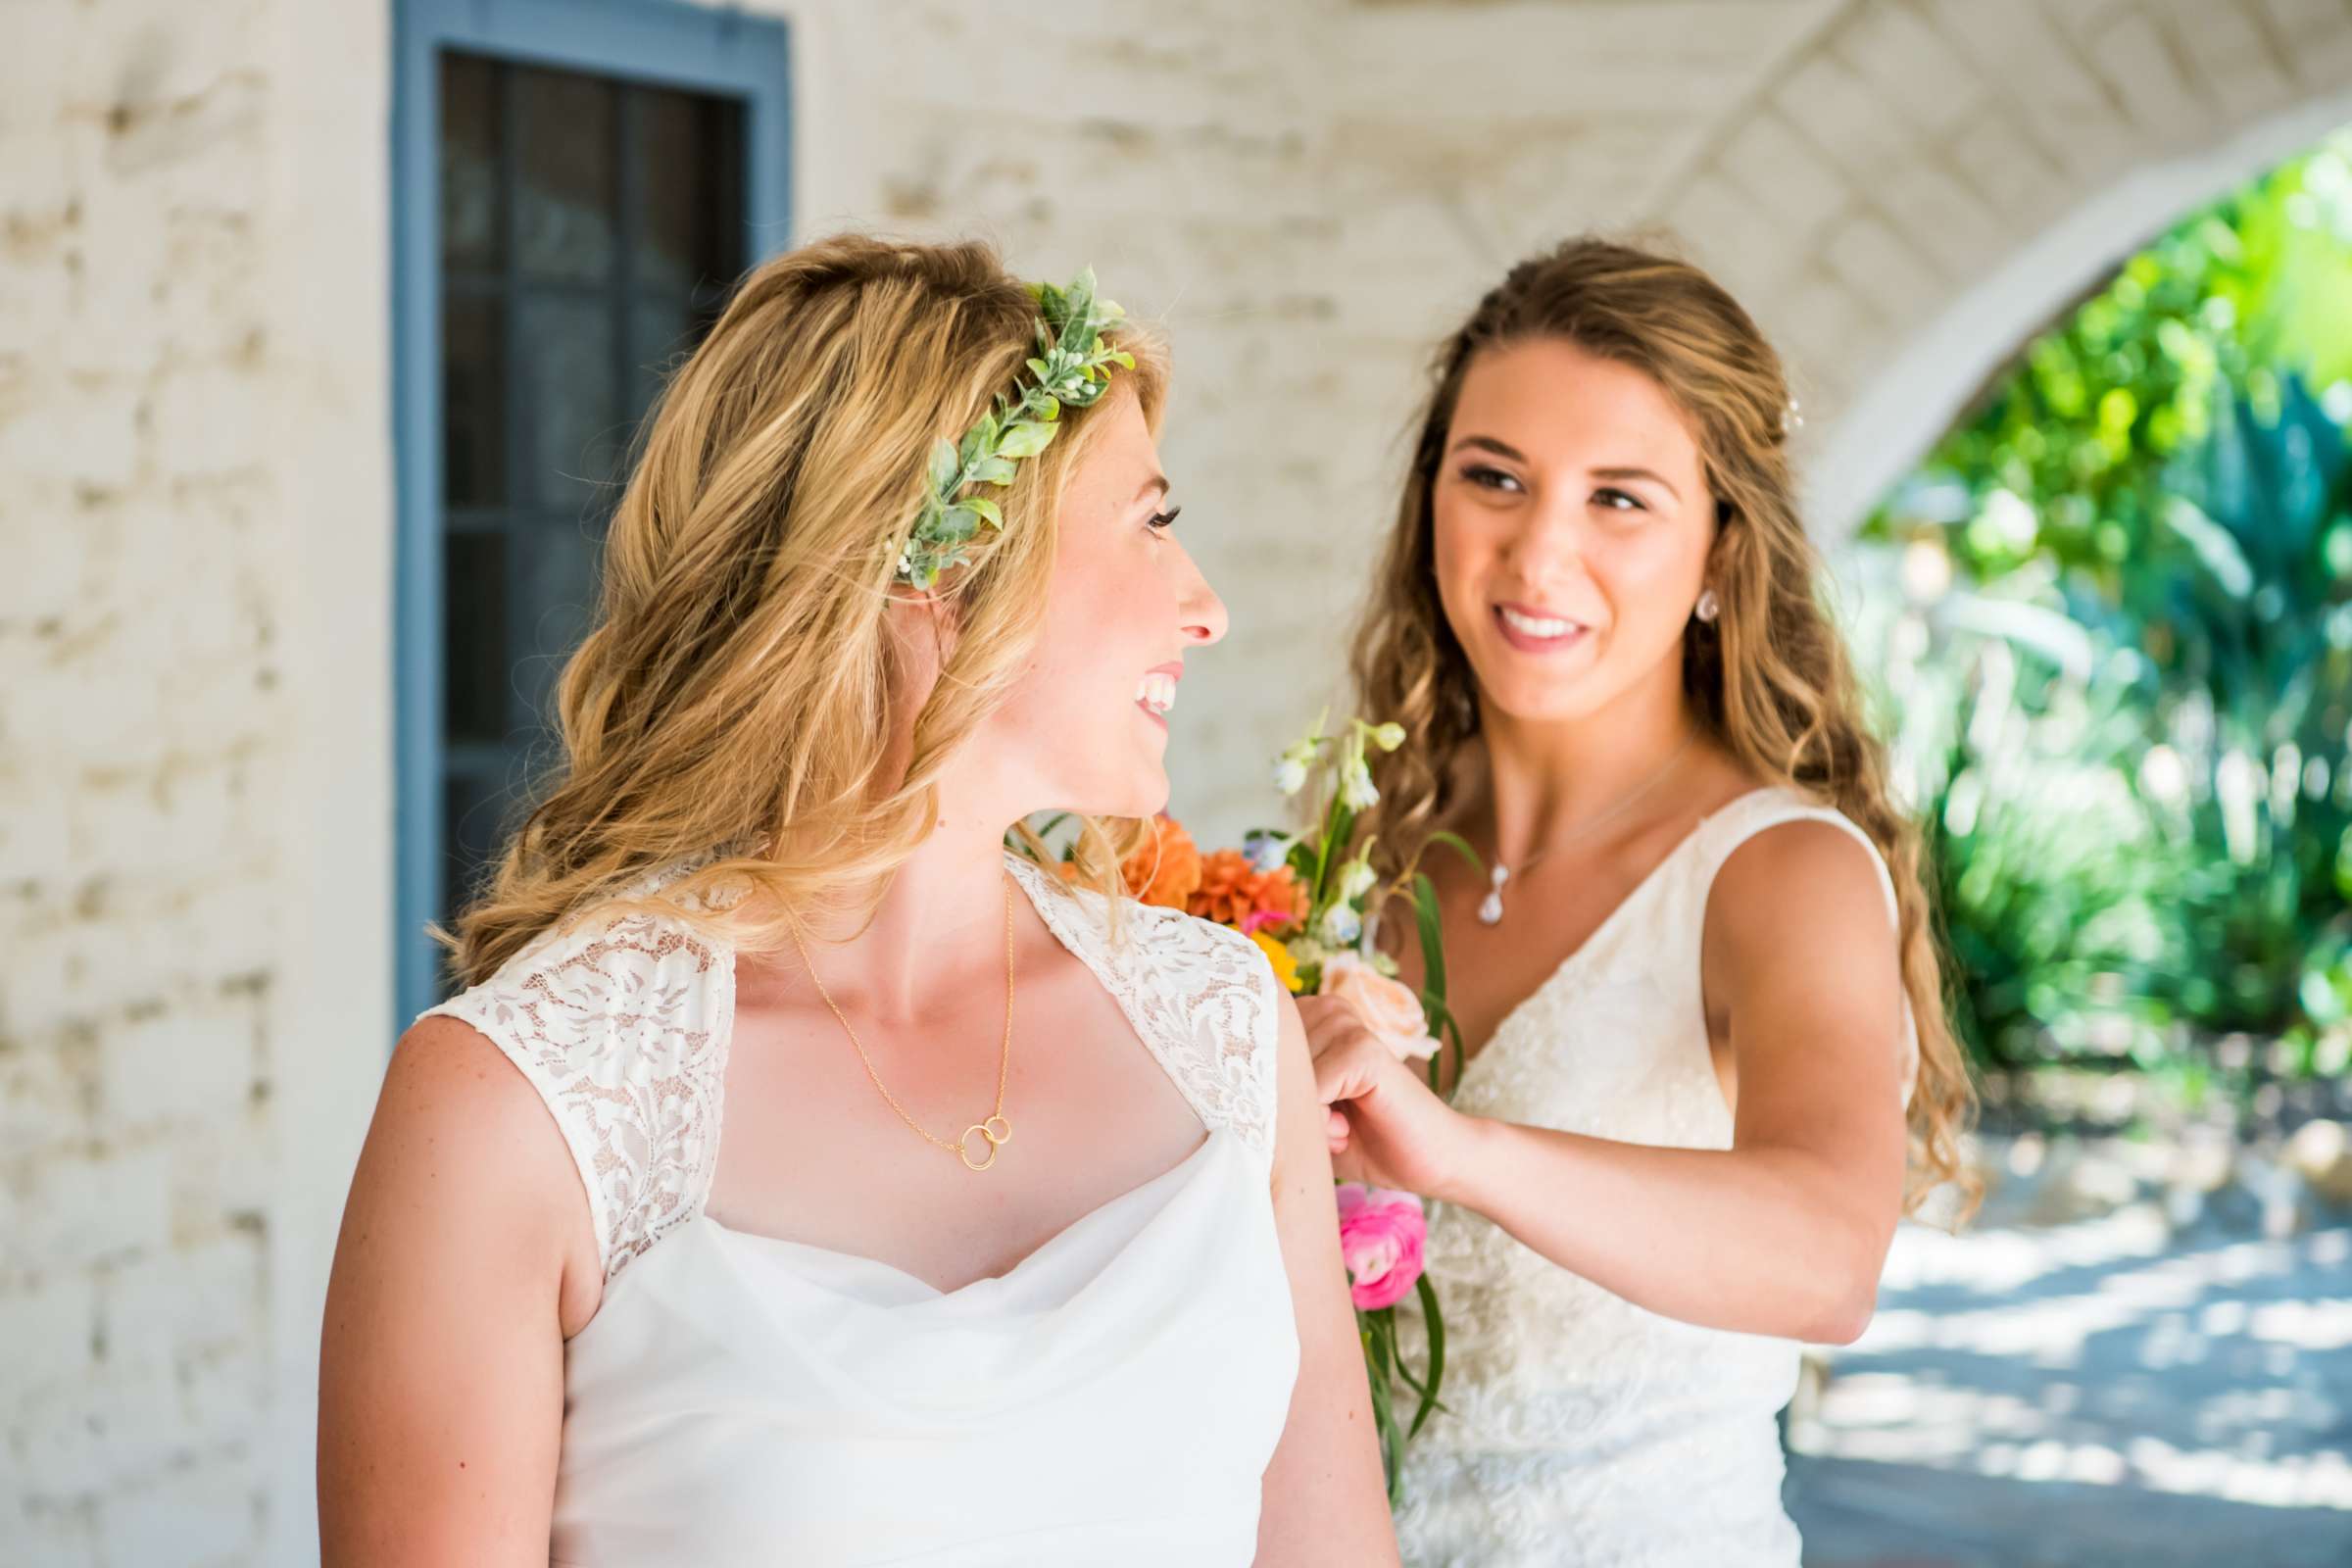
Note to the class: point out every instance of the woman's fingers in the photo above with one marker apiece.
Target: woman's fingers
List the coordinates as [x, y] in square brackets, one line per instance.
[1349, 1067]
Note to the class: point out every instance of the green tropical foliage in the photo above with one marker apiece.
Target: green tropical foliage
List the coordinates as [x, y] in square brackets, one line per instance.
[2120, 655]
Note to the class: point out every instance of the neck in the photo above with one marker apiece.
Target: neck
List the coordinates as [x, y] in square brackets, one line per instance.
[938, 932]
[1545, 779]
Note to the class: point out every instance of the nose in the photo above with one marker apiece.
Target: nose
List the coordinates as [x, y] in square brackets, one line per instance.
[1200, 610]
[1549, 539]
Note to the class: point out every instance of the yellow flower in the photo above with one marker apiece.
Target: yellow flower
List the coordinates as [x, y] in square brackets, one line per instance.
[1286, 967]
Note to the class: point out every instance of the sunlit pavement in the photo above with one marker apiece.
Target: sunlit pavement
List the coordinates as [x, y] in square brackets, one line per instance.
[2107, 1392]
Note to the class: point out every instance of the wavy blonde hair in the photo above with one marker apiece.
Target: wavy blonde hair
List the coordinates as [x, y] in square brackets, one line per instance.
[728, 705]
[1770, 679]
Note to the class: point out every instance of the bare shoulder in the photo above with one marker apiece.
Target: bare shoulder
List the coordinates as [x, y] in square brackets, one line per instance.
[1803, 880]
[455, 1280]
[463, 1154]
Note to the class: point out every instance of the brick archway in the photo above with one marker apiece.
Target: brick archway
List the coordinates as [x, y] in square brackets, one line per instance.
[1927, 182]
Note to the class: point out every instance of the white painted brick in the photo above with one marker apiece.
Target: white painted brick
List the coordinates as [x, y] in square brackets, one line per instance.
[227, 1172]
[169, 1303]
[51, 1535]
[46, 1327]
[200, 1518]
[84, 1209]
[45, 1084]
[1944, 220]
[2227, 46]
[1875, 262]
[1821, 325]
[226, 1393]
[2068, 113]
[72, 429]
[1843, 116]
[2133, 57]
[1917, 71]
[122, 1422]
[2010, 173]
[2316, 36]
[1744, 245]
[179, 1066]
[211, 419]
[1786, 173]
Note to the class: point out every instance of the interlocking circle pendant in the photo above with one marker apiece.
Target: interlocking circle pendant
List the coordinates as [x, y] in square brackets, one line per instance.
[988, 1137]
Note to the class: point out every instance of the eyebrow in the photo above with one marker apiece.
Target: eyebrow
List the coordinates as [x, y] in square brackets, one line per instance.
[1487, 443]
[1159, 482]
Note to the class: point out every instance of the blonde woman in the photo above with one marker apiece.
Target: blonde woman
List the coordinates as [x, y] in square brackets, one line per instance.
[1697, 983]
[801, 1179]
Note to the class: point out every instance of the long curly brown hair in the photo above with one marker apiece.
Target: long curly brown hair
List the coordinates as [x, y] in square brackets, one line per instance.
[1768, 679]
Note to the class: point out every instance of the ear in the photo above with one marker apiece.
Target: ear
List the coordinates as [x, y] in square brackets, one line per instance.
[921, 627]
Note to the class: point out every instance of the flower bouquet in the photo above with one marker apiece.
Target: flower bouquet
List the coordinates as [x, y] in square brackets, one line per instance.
[1314, 910]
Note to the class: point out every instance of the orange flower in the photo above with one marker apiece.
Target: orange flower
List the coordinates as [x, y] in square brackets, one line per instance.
[1166, 869]
[1232, 890]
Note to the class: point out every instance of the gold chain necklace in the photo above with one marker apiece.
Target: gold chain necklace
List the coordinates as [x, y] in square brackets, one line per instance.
[994, 1132]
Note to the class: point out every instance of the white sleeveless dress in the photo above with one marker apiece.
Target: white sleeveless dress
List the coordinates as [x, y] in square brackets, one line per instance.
[1585, 1430]
[739, 1398]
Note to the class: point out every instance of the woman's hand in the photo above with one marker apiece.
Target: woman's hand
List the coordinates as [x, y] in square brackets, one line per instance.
[1387, 1126]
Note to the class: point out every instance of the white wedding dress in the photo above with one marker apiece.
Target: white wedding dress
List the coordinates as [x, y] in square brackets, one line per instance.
[1585, 1430]
[739, 1398]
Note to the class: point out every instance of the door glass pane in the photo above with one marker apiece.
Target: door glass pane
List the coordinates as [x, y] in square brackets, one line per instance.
[472, 225]
[475, 647]
[689, 188]
[566, 175]
[570, 377]
[474, 401]
[560, 309]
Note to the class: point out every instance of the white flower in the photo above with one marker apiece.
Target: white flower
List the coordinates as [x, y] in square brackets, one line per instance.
[1289, 774]
[1388, 737]
[1356, 879]
[1339, 926]
[1357, 791]
[1265, 849]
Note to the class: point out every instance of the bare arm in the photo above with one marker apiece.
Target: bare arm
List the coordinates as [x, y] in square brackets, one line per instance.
[464, 1242]
[1784, 1233]
[1324, 1498]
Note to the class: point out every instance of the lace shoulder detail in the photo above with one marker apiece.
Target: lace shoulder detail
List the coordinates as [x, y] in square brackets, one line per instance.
[1202, 998]
[620, 1024]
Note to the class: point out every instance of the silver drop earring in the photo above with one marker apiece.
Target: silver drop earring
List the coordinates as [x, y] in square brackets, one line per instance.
[1709, 607]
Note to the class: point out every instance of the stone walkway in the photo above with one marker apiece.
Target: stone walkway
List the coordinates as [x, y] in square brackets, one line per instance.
[2114, 1390]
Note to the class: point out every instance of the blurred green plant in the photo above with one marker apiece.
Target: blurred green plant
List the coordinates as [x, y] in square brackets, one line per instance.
[2121, 656]
[2252, 639]
[2016, 741]
[2139, 808]
[2064, 458]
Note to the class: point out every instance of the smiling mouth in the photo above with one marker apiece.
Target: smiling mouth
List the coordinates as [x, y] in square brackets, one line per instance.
[1156, 694]
[1538, 633]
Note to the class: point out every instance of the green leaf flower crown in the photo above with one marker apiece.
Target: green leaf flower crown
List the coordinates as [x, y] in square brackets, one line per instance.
[1072, 369]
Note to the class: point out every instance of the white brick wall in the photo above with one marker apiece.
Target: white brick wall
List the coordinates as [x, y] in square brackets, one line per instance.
[195, 502]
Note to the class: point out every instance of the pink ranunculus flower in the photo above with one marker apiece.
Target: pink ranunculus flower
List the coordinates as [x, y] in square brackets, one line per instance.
[1387, 1008]
[1381, 1233]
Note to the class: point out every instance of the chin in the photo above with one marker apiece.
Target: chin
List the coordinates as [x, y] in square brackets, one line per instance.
[1551, 701]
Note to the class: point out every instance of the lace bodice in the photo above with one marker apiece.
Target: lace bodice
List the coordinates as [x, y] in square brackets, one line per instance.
[742, 1399]
[1584, 1429]
[622, 1025]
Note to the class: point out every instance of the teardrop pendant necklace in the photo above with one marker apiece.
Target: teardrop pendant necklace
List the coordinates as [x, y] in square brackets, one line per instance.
[1490, 908]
